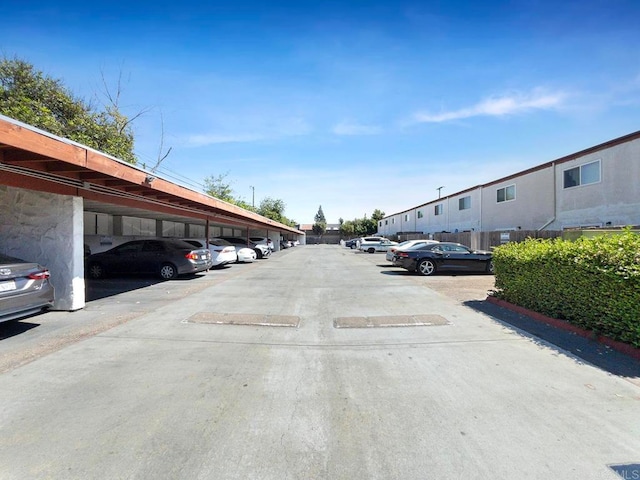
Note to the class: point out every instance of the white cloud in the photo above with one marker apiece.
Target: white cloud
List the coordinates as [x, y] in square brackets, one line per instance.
[353, 129]
[258, 130]
[212, 138]
[498, 106]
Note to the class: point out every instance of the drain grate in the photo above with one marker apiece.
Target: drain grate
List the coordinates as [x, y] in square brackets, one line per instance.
[244, 319]
[390, 321]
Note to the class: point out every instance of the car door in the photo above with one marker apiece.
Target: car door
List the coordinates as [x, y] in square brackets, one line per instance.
[124, 259]
[455, 257]
[152, 255]
[384, 245]
[477, 261]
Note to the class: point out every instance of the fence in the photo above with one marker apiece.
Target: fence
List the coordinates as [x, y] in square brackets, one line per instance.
[481, 240]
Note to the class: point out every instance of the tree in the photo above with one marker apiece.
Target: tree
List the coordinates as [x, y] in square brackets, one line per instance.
[320, 225]
[243, 204]
[218, 187]
[272, 208]
[30, 96]
[377, 215]
[320, 216]
[347, 229]
[361, 227]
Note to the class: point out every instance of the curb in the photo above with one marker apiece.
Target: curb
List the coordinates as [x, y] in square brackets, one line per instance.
[566, 326]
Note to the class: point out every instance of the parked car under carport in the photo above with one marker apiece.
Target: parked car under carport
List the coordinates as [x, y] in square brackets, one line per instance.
[25, 288]
[162, 257]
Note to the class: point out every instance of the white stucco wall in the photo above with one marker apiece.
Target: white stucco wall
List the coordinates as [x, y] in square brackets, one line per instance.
[532, 208]
[46, 228]
[615, 199]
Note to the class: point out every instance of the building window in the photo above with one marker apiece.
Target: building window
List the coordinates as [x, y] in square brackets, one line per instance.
[464, 203]
[582, 175]
[420, 215]
[406, 217]
[393, 221]
[380, 223]
[386, 222]
[506, 194]
[438, 209]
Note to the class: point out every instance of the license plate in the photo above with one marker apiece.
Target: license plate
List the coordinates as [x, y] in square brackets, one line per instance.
[203, 257]
[7, 286]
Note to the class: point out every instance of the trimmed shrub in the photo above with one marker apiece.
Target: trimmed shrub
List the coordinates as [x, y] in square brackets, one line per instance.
[593, 283]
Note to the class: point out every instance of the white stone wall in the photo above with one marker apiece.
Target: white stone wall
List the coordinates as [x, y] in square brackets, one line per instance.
[48, 229]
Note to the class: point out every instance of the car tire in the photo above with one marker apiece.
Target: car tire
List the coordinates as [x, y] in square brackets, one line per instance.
[426, 267]
[353, 247]
[371, 250]
[258, 253]
[168, 272]
[489, 268]
[96, 271]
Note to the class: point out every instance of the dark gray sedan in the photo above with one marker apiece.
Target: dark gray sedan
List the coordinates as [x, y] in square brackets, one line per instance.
[427, 259]
[165, 258]
[25, 288]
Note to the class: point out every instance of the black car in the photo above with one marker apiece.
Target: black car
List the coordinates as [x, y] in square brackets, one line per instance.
[353, 243]
[163, 257]
[427, 259]
[25, 288]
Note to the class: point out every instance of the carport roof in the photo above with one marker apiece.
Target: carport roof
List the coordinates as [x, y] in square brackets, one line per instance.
[36, 160]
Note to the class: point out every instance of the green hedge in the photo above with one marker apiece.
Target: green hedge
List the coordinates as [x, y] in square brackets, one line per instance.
[593, 283]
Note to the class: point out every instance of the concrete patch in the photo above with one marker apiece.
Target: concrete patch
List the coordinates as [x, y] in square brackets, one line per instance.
[244, 319]
[390, 321]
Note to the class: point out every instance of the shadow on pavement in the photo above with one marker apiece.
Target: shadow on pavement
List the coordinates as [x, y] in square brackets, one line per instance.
[15, 327]
[590, 351]
[107, 287]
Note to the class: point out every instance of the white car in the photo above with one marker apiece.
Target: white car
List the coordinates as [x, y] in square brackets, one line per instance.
[222, 252]
[379, 245]
[244, 253]
[263, 241]
[262, 251]
[406, 244]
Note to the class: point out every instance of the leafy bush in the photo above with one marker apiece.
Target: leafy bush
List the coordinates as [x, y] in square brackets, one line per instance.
[30, 96]
[593, 283]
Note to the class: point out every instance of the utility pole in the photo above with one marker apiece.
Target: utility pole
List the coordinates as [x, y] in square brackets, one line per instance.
[439, 188]
[253, 196]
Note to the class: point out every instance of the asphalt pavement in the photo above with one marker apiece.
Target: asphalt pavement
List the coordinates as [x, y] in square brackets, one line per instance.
[317, 363]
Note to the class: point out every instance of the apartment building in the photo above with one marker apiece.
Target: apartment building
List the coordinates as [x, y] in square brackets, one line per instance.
[596, 187]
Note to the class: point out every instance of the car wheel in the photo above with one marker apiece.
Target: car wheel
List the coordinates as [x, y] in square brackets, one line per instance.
[489, 266]
[168, 272]
[258, 253]
[426, 267]
[371, 250]
[96, 271]
[353, 247]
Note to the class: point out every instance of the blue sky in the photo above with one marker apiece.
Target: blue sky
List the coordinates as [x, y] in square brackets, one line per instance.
[352, 105]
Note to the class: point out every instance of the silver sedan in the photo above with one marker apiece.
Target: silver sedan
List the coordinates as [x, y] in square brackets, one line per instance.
[25, 288]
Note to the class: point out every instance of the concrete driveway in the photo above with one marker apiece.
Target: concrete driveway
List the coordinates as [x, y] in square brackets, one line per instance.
[317, 363]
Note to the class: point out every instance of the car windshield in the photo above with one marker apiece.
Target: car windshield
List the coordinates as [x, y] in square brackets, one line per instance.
[195, 243]
[178, 244]
[8, 259]
[421, 246]
[130, 247]
[219, 242]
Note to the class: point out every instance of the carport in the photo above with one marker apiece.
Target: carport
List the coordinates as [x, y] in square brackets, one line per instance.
[54, 193]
